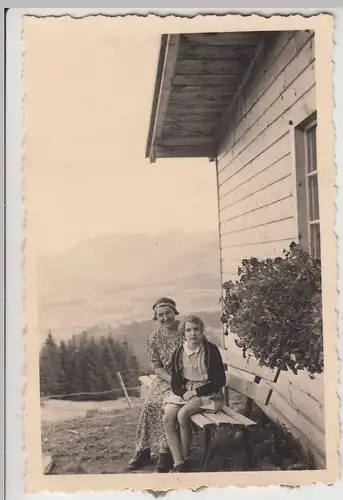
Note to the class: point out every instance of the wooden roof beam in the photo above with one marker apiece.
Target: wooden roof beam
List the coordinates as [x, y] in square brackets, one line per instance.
[260, 53]
[185, 151]
[170, 58]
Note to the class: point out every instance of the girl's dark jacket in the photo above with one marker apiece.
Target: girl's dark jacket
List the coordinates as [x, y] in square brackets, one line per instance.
[215, 371]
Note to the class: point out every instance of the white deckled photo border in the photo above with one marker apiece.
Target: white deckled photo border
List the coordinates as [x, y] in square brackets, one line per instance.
[17, 283]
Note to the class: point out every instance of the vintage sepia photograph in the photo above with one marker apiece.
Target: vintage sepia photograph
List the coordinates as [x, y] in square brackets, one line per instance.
[178, 235]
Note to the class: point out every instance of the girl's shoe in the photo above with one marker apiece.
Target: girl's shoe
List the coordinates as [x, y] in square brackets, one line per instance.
[182, 467]
[140, 460]
[164, 463]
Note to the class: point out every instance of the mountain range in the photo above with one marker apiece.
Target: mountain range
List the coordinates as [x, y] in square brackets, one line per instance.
[112, 280]
[138, 332]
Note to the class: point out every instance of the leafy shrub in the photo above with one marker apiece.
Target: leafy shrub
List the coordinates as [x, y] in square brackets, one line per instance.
[275, 311]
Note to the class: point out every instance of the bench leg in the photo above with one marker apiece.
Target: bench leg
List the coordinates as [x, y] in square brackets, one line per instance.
[207, 448]
[248, 449]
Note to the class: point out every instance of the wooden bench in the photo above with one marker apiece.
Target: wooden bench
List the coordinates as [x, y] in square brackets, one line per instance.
[255, 383]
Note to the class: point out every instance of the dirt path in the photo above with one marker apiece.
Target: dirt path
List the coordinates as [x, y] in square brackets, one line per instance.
[53, 410]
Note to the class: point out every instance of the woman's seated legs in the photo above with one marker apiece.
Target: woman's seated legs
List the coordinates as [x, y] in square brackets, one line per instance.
[147, 420]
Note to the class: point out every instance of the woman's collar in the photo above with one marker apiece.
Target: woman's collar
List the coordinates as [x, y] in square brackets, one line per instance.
[174, 333]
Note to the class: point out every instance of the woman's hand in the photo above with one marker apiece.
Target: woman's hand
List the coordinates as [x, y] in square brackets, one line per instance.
[195, 400]
[188, 395]
[163, 374]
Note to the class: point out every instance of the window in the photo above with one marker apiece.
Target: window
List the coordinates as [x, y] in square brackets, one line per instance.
[312, 189]
[307, 186]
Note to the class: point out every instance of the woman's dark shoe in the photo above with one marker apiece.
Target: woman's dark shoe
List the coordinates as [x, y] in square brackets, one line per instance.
[165, 462]
[140, 460]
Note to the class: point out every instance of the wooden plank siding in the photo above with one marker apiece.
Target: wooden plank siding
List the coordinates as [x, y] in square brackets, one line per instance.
[297, 402]
[257, 202]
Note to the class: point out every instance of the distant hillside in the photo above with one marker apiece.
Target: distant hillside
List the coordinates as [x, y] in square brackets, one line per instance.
[115, 278]
[137, 334]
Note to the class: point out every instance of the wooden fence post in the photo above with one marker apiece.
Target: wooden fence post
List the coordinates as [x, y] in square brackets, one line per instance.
[122, 385]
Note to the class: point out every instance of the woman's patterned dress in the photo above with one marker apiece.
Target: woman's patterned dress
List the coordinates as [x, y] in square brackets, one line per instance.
[150, 430]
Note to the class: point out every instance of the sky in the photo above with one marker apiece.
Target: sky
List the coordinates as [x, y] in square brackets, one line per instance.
[88, 95]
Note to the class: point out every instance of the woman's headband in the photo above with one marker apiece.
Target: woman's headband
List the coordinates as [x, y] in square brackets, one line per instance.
[165, 302]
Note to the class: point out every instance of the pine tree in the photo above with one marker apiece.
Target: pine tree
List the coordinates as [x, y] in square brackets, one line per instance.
[132, 365]
[87, 365]
[65, 375]
[50, 365]
[110, 380]
[83, 365]
[43, 372]
[75, 382]
[94, 366]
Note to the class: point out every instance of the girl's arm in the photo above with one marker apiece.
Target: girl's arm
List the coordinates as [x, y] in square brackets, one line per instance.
[175, 382]
[206, 389]
[217, 375]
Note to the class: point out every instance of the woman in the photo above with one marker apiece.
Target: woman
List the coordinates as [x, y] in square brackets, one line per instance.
[161, 346]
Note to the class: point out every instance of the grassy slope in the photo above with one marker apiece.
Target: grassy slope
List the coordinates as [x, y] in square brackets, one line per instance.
[102, 443]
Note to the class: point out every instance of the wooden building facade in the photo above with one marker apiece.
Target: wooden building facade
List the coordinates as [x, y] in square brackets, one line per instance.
[247, 102]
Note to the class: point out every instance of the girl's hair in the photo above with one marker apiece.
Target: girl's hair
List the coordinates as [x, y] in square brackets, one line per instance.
[193, 319]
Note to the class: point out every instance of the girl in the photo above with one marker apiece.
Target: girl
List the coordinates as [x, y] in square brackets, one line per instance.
[198, 375]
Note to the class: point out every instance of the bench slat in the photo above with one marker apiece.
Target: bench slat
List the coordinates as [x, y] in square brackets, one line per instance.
[201, 420]
[257, 392]
[146, 380]
[221, 418]
[225, 417]
[250, 366]
[238, 417]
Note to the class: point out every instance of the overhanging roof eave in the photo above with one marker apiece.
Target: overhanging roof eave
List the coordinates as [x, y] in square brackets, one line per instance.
[158, 81]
